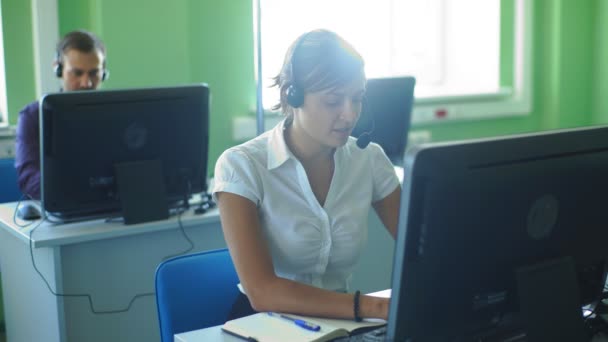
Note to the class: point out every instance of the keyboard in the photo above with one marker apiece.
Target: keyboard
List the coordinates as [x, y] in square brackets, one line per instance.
[375, 335]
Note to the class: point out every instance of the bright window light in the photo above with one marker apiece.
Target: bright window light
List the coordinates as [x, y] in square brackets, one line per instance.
[450, 46]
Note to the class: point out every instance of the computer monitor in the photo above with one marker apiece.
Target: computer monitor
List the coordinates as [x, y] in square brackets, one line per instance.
[386, 114]
[85, 136]
[501, 235]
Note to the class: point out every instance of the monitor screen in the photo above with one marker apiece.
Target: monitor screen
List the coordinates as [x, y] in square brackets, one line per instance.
[386, 114]
[483, 221]
[85, 135]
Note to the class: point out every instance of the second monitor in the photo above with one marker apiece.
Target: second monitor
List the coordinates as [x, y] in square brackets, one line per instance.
[157, 137]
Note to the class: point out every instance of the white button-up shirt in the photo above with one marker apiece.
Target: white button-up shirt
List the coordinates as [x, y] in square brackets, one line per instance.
[309, 243]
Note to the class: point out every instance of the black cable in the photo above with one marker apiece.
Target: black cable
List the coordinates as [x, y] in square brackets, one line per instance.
[180, 211]
[45, 218]
[205, 204]
[181, 228]
[88, 296]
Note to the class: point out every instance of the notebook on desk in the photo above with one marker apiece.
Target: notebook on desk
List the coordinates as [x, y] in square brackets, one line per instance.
[265, 327]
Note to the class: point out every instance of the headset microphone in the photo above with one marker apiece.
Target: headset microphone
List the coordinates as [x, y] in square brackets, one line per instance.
[364, 139]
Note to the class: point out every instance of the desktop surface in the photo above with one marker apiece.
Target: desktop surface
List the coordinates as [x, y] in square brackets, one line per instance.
[49, 234]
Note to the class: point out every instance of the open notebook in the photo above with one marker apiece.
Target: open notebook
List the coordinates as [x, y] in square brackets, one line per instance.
[265, 327]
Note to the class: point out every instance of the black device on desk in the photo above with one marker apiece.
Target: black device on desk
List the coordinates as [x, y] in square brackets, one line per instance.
[386, 114]
[504, 235]
[134, 152]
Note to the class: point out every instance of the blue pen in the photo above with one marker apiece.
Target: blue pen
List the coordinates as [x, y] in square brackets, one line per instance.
[299, 322]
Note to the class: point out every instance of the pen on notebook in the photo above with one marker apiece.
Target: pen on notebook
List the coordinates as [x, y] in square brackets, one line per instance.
[299, 322]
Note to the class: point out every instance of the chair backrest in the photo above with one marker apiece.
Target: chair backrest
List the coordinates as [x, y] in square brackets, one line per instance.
[387, 113]
[194, 291]
[9, 190]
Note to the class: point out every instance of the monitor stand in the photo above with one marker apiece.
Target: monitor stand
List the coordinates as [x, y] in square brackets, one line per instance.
[549, 301]
[141, 189]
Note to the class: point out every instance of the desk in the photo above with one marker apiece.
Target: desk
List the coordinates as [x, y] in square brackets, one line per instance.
[114, 262]
[216, 334]
[213, 334]
[110, 261]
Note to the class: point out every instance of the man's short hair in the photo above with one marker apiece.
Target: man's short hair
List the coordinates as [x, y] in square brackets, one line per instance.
[82, 41]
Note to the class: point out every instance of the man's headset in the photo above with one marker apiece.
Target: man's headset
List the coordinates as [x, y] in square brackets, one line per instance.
[59, 68]
[295, 95]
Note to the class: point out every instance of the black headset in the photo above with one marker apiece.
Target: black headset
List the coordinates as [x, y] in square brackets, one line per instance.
[295, 94]
[59, 68]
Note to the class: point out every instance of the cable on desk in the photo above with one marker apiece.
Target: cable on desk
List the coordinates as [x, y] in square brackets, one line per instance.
[84, 295]
[44, 218]
[181, 228]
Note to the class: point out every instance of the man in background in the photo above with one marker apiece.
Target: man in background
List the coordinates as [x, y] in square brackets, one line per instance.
[80, 63]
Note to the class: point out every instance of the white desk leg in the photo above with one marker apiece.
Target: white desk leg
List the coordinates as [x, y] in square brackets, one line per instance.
[32, 313]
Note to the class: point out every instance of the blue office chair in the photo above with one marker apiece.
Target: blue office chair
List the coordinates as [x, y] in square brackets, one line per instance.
[195, 291]
[9, 190]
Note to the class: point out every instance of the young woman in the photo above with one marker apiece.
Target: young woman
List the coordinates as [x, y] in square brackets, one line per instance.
[294, 201]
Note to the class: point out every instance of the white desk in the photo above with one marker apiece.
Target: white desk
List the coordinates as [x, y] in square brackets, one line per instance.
[110, 261]
[114, 262]
[215, 333]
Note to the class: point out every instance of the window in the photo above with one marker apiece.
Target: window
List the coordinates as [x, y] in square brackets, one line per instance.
[453, 48]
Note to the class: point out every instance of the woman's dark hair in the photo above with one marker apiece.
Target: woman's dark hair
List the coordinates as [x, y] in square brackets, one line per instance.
[315, 61]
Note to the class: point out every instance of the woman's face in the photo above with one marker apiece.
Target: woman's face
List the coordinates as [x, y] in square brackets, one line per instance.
[329, 116]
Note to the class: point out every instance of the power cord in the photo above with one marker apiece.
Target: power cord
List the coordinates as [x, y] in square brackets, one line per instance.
[86, 295]
[181, 228]
[594, 321]
[205, 204]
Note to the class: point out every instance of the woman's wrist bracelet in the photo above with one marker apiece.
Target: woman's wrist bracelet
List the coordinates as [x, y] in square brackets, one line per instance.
[356, 306]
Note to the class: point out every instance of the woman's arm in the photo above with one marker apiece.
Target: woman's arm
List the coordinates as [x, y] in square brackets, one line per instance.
[388, 211]
[266, 291]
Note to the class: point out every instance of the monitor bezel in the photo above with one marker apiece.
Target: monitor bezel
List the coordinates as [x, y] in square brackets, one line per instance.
[195, 93]
[427, 163]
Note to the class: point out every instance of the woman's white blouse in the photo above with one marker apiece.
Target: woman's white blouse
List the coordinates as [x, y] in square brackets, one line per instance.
[309, 243]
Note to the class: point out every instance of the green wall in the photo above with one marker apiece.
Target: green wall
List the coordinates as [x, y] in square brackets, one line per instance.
[564, 48]
[18, 55]
[600, 64]
[152, 42]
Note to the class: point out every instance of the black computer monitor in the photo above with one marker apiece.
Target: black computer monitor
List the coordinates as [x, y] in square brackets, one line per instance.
[87, 135]
[501, 235]
[387, 113]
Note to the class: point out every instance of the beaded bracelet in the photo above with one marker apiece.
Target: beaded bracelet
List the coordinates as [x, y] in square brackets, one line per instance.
[356, 306]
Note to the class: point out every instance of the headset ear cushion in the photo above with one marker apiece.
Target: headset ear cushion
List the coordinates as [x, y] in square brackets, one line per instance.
[59, 69]
[105, 74]
[295, 96]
